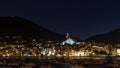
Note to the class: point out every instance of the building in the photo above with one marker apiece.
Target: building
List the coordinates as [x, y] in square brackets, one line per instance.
[68, 40]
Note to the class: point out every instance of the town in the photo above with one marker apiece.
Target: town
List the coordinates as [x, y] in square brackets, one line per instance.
[67, 48]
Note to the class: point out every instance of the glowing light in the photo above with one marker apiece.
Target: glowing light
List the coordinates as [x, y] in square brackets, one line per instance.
[81, 54]
[69, 41]
[8, 54]
[52, 53]
[28, 55]
[4, 55]
[118, 51]
[43, 51]
[58, 55]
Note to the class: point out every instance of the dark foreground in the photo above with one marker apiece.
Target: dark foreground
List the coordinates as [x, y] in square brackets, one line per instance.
[64, 62]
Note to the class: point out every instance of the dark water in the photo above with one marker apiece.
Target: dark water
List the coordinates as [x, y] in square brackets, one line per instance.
[93, 62]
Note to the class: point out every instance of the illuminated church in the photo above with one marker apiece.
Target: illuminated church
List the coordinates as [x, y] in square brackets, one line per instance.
[68, 40]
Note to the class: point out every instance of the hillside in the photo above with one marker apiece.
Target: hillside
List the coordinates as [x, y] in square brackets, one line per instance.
[16, 26]
[110, 37]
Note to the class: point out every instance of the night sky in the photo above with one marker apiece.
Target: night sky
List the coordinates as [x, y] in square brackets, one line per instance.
[82, 18]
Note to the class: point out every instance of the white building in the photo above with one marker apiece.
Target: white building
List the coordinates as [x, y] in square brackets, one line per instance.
[68, 40]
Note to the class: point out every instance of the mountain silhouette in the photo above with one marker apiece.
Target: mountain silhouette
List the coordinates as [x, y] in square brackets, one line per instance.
[17, 26]
[110, 37]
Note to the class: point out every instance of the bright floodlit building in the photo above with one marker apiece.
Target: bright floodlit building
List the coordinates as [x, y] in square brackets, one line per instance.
[68, 40]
